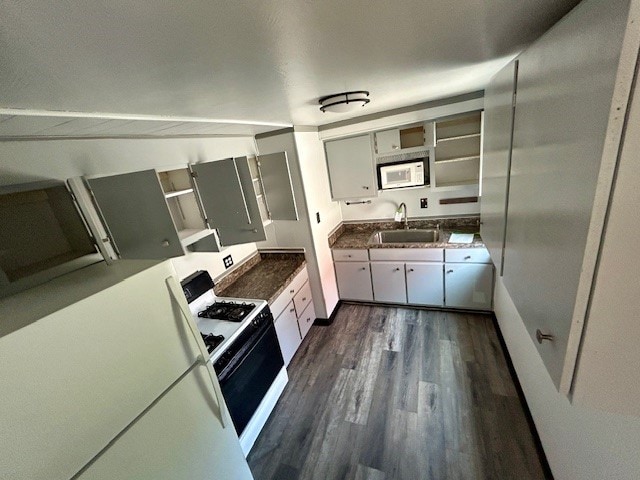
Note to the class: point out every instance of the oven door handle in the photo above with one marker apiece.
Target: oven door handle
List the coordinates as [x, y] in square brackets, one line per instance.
[178, 296]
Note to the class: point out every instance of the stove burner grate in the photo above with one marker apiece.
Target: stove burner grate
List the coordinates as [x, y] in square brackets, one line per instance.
[230, 311]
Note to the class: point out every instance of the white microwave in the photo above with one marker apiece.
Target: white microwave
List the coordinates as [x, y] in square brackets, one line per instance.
[403, 174]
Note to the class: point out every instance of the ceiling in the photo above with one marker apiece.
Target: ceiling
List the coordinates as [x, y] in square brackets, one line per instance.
[263, 64]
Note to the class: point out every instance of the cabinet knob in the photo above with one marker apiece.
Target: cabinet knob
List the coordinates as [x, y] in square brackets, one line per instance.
[308, 319]
[165, 243]
[411, 269]
[255, 230]
[304, 298]
[396, 269]
[348, 256]
[468, 257]
[292, 310]
[292, 291]
[543, 336]
[366, 188]
[363, 268]
[449, 271]
[395, 147]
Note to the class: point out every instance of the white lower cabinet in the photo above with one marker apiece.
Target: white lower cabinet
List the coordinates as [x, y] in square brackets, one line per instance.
[306, 319]
[468, 285]
[354, 280]
[288, 333]
[425, 284]
[388, 279]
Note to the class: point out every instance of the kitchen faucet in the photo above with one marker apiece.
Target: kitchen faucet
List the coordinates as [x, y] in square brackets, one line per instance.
[402, 210]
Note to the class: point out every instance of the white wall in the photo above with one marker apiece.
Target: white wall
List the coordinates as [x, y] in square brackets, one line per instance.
[315, 179]
[579, 443]
[28, 161]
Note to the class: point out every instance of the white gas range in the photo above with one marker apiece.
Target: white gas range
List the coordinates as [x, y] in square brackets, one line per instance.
[240, 335]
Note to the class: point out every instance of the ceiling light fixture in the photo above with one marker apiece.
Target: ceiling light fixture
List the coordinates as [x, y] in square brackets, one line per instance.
[344, 102]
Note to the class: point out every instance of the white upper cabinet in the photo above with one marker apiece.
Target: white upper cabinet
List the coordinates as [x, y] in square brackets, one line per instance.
[387, 141]
[274, 176]
[404, 139]
[351, 168]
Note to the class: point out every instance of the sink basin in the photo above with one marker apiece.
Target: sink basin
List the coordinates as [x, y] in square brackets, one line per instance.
[404, 236]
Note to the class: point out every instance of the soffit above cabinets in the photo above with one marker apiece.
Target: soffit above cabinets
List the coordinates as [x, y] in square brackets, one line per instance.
[55, 125]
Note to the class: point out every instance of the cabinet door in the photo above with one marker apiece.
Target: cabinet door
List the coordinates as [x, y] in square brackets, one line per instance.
[496, 163]
[468, 286]
[226, 190]
[276, 179]
[288, 333]
[354, 280]
[136, 215]
[351, 171]
[387, 141]
[389, 283]
[425, 285]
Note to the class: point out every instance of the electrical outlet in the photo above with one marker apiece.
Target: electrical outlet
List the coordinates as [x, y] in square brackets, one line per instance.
[228, 261]
[424, 203]
[318, 217]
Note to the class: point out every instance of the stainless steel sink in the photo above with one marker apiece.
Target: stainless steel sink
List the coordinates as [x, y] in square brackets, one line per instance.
[405, 236]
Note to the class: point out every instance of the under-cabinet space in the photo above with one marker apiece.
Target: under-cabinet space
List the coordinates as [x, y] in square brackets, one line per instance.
[388, 280]
[468, 285]
[425, 284]
[354, 280]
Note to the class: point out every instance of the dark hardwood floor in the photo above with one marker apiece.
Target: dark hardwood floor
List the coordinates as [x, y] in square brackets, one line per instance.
[398, 393]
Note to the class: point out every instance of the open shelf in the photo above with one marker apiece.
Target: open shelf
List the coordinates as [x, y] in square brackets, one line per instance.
[177, 193]
[459, 137]
[189, 236]
[457, 159]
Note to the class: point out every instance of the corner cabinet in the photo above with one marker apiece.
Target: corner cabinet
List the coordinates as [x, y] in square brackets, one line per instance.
[157, 215]
[351, 168]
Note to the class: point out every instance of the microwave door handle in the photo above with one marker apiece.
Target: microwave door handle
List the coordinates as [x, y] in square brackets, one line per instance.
[178, 296]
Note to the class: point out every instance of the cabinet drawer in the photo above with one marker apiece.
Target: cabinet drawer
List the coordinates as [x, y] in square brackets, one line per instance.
[302, 299]
[467, 255]
[306, 320]
[279, 304]
[407, 254]
[354, 255]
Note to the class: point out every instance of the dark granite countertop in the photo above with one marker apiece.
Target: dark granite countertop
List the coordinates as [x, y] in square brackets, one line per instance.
[265, 278]
[356, 235]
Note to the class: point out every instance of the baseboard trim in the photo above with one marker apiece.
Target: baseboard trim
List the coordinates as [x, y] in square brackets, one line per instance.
[325, 322]
[548, 474]
[418, 307]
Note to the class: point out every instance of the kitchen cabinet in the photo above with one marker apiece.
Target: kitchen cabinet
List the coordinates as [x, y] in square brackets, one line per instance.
[294, 314]
[273, 186]
[425, 284]
[156, 215]
[388, 280]
[468, 285]
[458, 150]
[401, 140]
[351, 167]
[354, 280]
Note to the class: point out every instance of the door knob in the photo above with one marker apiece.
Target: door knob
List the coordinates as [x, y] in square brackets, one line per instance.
[543, 336]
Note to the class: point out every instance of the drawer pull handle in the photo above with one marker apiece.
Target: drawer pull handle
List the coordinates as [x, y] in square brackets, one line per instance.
[543, 336]
[292, 291]
[449, 271]
[292, 310]
[468, 257]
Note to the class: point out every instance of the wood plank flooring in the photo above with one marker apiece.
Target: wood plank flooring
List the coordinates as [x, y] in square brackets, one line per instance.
[396, 393]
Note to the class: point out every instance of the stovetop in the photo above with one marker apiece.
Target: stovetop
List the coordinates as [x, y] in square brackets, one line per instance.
[212, 341]
[227, 310]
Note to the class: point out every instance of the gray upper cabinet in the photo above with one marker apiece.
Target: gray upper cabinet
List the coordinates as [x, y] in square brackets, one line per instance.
[275, 176]
[229, 202]
[566, 83]
[351, 168]
[499, 111]
[136, 215]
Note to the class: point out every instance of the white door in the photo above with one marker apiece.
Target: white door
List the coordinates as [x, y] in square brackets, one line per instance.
[351, 171]
[354, 280]
[389, 283]
[288, 334]
[468, 285]
[388, 141]
[425, 285]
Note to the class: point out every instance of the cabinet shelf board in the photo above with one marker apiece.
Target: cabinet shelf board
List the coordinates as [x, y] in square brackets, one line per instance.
[176, 193]
[458, 137]
[457, 183]
[457, 159]
[192, 235]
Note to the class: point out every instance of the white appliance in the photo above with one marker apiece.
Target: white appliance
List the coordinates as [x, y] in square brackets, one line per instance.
[402, 174]
[105, 375]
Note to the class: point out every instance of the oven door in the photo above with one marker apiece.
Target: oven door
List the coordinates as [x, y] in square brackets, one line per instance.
[246, 384]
